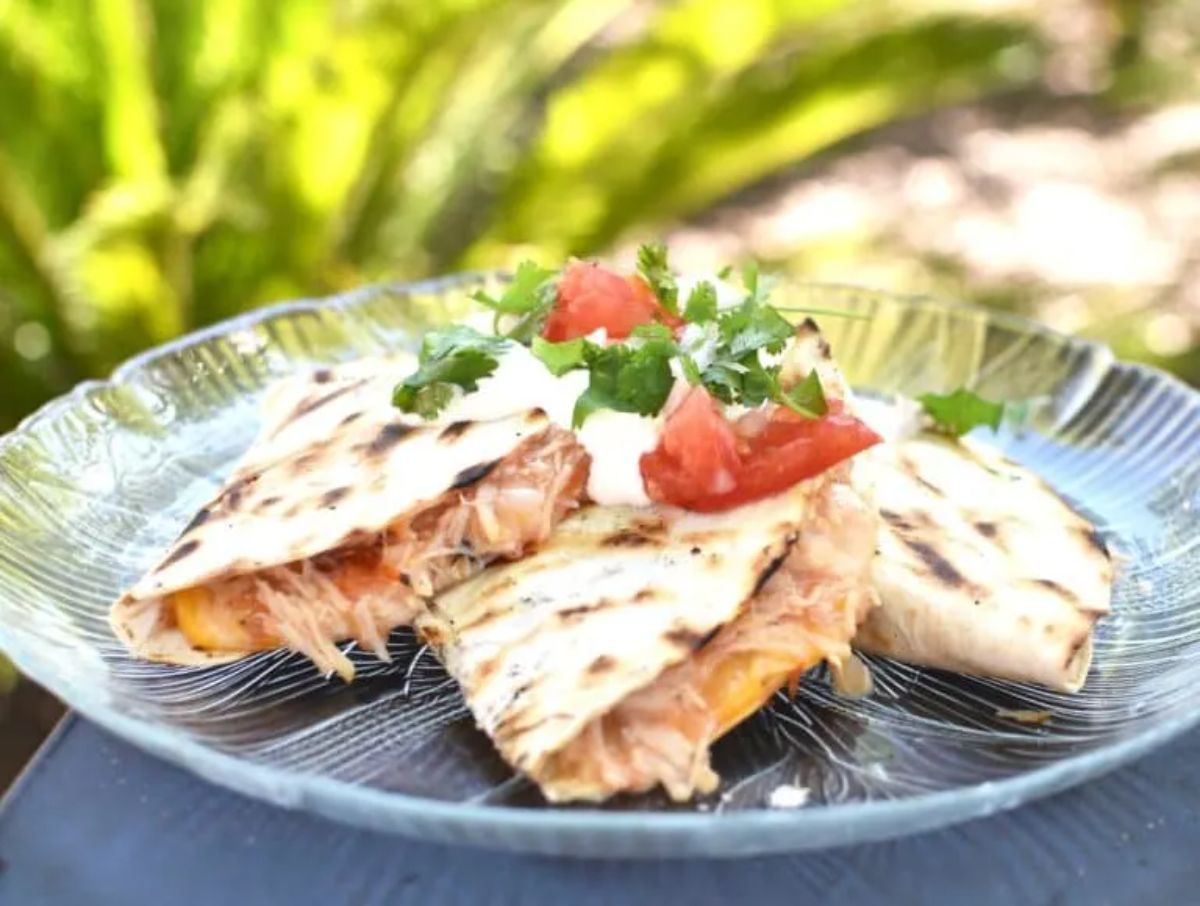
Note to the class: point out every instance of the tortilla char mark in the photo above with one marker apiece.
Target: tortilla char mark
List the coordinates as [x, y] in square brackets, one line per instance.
[473, 474]
[201, 517]
[1094, 540]
[389, 435]
[689, 639]
[643, 533]
[989, 530]
[941, 568]
[605, 663]
[334, 496]
[304, 407]
[184, 550]
[455, 430]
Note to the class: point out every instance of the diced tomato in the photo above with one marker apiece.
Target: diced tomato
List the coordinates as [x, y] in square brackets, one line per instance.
[591, 298]
[705, 463]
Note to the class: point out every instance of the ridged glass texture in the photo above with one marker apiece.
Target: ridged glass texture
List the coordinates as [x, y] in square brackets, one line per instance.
[93, 487]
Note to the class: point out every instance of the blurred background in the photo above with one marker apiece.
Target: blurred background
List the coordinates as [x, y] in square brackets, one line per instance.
[164, 165]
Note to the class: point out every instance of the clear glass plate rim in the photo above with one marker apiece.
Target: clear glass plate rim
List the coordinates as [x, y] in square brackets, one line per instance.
[351, 802]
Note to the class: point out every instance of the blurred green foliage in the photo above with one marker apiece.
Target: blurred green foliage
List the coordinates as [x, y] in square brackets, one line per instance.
[165, 164]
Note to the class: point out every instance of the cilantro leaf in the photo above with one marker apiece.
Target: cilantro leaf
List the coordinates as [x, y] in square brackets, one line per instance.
[691, 371]
[451, 357]
[752, 326]
[807, 397]
[653, 268]
[701, 303]
[520, 296]
[529, 296]
[958, 412]
[559, 358]
[626, 380]
[723, 273]
[652, 331]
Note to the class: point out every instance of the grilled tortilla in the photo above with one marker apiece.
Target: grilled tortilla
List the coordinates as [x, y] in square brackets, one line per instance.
[339, 516]
[982, 568]
[612, 658]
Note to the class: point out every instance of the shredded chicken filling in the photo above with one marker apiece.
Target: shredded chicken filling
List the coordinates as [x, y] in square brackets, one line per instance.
[364, 590]
[807, 612]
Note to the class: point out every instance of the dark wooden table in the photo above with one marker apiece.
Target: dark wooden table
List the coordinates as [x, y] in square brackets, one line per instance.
[94, 821]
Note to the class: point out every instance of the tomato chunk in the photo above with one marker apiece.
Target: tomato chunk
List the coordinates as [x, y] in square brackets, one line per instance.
[591, 297]
[705, 463]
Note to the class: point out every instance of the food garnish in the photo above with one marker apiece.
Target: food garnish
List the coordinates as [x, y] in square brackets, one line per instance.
[959, 412]
[450, 357]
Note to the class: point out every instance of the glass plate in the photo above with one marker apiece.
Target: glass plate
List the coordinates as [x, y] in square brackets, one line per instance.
[94, 486]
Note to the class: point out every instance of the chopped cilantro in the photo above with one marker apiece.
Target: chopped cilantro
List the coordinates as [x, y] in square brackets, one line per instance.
[652, 331]
[958, 412]
[450, 357]
[701, 303]
[757, 286]
[529, 296]
[559, 358]
[626, 379]
[807, 397]
[520, 296]
[754, 325]
[653, 268]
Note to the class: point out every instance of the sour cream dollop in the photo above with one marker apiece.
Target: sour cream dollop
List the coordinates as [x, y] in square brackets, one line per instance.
[614, 440]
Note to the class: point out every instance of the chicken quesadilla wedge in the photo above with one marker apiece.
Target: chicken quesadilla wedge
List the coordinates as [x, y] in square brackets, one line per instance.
[982, 568]
[610, 660]
[340, 516]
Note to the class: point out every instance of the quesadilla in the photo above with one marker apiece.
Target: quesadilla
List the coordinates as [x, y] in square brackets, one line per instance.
[610, 660]
[340, 516]
[982, 568]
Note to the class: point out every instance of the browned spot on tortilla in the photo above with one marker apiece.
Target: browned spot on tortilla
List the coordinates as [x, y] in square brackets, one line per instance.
[323, 375]
[268, 502]
[686, 637]
[941, 567]
[602, 664]
[351, 418]
[898, 521]
[1052, 586]
[305, 461]
[185, 549]
[535, 414]
[232, 497]
[198, 520]
[333, 496]
[633, 536]
[1094, 540]
[472, 474]
[485, 670]
[929, 486]
[987, 529]
[455, 430]
[388, 436]
[316, 402]
[570, 613]
[809, 327]
[646, 594]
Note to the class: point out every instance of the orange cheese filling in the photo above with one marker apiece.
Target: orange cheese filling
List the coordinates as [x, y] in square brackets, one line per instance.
[365, 590]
